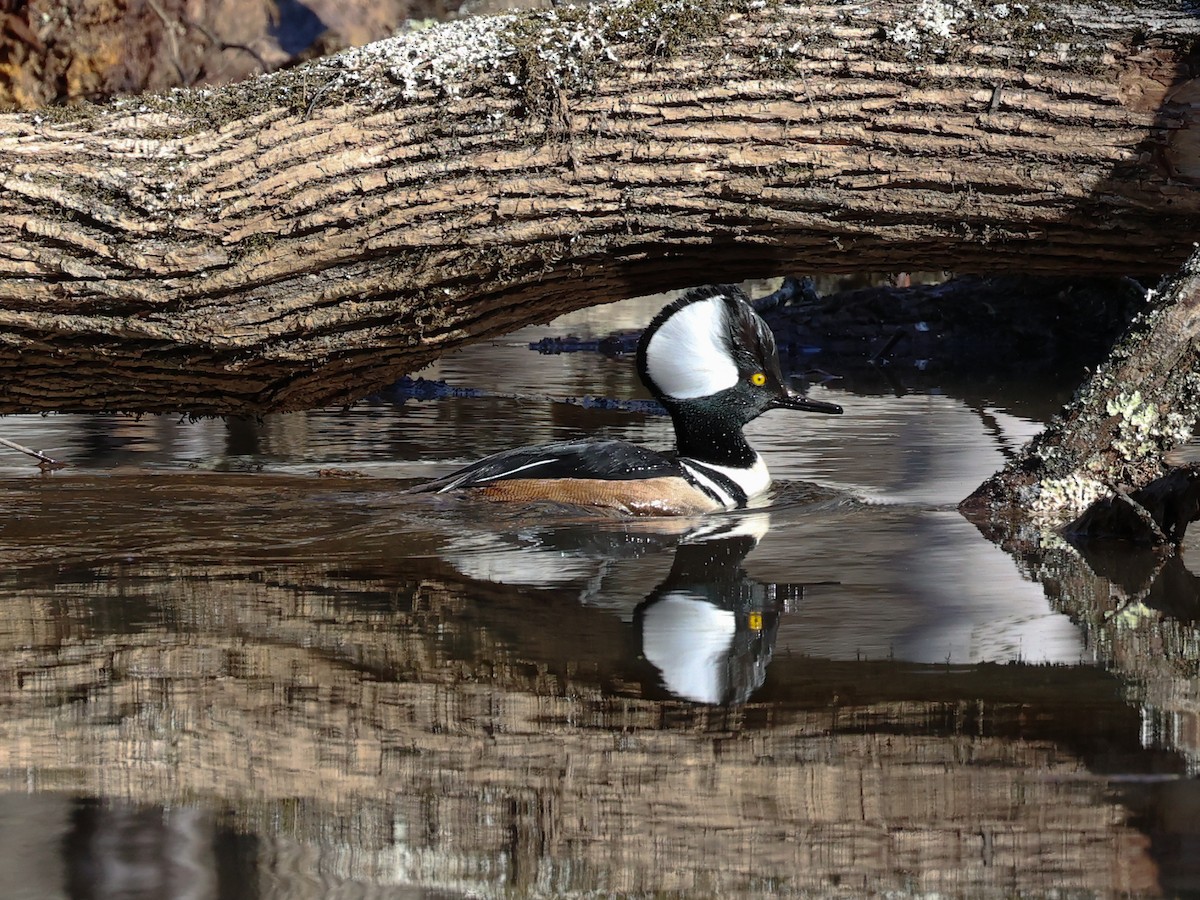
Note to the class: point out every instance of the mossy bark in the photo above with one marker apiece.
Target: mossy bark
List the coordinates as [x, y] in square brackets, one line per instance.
[307, 237]
[1140, 404]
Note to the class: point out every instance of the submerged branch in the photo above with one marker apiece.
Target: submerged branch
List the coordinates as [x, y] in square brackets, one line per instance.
[45, 463]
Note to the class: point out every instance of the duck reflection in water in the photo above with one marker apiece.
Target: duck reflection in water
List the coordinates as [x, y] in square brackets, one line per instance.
[709, 628]
[704, 632]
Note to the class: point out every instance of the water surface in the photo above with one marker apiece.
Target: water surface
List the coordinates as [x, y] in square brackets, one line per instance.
[236, 661]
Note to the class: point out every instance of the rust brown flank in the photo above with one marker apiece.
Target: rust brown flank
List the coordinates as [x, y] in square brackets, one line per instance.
[642, 497]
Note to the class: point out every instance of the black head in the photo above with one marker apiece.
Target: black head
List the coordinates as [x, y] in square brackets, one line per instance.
[710, 348]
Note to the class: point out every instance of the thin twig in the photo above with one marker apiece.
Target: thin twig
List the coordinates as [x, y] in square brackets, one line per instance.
[316, 97]
[224, 45]
[169, 29]
[1142, 513]
[45, 463]
[889, 346]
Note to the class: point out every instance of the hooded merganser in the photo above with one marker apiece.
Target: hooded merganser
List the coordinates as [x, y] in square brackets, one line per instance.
[711, 361]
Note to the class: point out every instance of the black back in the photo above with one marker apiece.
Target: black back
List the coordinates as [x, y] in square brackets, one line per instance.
[608, 460]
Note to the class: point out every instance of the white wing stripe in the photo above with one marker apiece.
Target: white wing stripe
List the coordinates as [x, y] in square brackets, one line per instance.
[469, 476]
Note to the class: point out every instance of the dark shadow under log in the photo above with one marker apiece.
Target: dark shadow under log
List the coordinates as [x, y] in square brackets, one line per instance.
[1155, 514]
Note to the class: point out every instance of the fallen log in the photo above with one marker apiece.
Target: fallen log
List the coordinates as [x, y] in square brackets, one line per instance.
[306, 237]
[1105, 453]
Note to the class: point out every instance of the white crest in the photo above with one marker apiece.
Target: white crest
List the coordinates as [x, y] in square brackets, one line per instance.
[688, 356]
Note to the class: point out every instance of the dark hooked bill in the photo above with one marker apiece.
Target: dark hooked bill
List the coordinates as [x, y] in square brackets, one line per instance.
[795, 401]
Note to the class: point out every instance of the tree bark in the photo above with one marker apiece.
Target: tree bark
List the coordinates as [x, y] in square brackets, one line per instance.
[1112, 438]
[307, 237]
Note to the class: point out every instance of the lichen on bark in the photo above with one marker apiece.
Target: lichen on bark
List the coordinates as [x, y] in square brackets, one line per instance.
[1141, 403]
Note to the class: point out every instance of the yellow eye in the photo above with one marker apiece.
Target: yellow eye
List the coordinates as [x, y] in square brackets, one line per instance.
[758, 379]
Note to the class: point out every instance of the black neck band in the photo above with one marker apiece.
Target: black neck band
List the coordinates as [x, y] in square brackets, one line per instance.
[708, 435]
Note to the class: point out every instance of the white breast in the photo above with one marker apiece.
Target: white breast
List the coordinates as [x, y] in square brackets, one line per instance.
[754, 480]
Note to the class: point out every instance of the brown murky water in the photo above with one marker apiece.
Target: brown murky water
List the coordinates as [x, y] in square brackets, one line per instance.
[226, 673]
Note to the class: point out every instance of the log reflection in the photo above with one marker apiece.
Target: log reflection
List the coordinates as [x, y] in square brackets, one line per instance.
[1139, 606]
[372, 714]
